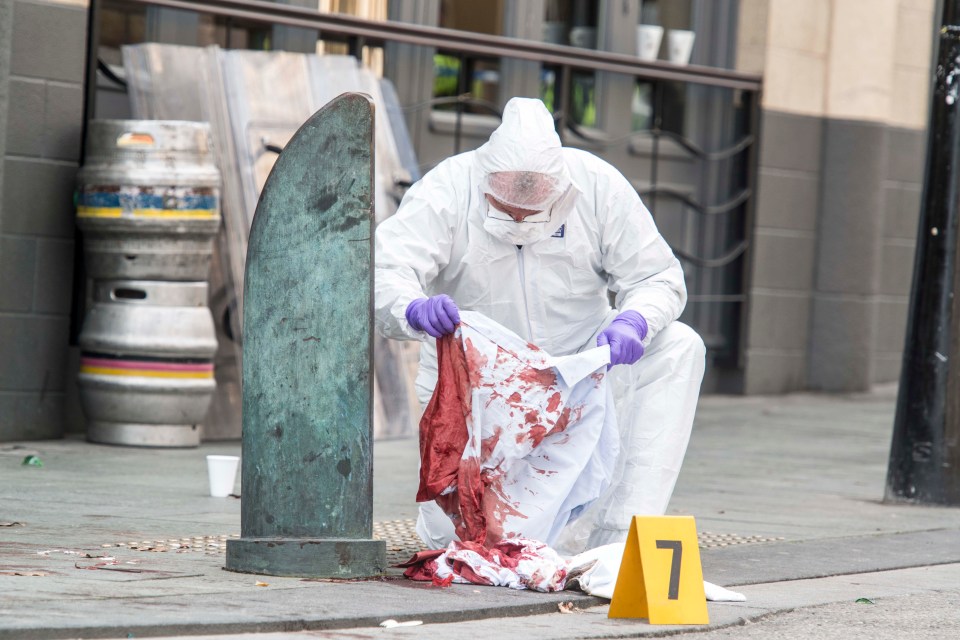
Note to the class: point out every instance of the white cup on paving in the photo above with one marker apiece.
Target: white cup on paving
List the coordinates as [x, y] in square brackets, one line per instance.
[222, 471]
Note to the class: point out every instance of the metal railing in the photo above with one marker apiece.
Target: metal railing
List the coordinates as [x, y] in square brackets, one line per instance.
[716, 257]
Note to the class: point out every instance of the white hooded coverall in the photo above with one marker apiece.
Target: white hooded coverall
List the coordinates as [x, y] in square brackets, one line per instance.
[553, 292]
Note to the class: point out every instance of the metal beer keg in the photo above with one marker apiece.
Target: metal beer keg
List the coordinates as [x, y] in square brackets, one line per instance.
[146, 369]
[148, 200]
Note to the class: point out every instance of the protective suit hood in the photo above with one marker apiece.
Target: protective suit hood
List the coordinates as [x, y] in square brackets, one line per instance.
[526, 140]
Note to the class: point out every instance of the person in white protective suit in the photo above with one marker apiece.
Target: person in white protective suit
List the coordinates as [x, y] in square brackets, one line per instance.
[534, 235]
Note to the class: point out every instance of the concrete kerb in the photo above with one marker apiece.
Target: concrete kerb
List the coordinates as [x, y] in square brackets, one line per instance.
[890, 605]
[544, 604]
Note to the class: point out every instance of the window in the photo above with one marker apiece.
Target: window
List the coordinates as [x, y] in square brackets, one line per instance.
[572, 23]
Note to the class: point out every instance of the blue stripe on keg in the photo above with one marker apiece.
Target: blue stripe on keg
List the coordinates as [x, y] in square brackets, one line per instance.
[199, 202]
[100, 355]
[129, 201]
[98, 199]
[116, 203]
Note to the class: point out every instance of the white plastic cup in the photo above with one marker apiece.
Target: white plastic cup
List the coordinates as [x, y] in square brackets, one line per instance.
[649, 37]
[680, 45]
[222, 471]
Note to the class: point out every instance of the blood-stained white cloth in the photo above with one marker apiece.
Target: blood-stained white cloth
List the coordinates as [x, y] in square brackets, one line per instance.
[541, 437]
[516, 563]
[527, 564]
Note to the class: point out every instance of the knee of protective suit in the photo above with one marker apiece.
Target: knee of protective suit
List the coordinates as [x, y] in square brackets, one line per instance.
[434, 527]
[678, 337]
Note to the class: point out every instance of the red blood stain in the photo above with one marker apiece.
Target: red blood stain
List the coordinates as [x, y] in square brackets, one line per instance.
[487, 445]
[568, 414]
[536, 434]
[541, 377]
[502, 558]
[422, 566]
[514, 397]
[532, 347]
[544, 472]
[463, 569]
[442, 582]
[554, 402]
[497, 509]
[578, 412]
[471, 490]
[597, 378]
[443, 426]
[475, 360]
[494, 395]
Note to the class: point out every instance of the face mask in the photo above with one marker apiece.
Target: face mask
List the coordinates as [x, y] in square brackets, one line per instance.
[531, 229]
[517, 232]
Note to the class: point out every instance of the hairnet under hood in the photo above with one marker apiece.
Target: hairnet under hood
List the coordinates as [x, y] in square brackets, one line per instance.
[525, 141]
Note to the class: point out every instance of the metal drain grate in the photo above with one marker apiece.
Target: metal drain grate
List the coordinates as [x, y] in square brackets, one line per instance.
[708, 540]
[400, 536]
[196, 544]
[401, 539]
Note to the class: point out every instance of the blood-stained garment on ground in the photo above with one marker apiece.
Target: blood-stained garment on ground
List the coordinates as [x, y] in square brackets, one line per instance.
[516, 563]
[514, 442]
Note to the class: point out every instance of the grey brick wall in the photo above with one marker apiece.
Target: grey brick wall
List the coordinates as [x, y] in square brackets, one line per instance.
[42, 60]
[784, 254]
[848, 255]
[901, 211]
[833, 253]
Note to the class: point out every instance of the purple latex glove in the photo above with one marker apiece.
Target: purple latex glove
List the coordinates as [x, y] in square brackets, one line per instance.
[624, 335]
[438, 315]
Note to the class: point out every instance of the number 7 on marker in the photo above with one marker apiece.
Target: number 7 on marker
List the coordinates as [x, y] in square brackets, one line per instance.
[673, 592]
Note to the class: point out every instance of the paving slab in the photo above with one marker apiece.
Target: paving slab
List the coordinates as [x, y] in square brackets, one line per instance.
[830, 557]
[794, 482]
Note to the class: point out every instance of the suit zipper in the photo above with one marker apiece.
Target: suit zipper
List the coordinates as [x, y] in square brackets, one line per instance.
[523, 289]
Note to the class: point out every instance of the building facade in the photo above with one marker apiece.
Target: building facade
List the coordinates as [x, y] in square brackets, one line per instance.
[812, 293]
[841, 167]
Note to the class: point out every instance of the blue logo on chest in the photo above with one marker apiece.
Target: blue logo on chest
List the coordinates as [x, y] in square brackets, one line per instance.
[559, 232]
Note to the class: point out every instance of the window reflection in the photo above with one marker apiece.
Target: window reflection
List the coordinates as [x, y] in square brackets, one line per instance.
[572, 23]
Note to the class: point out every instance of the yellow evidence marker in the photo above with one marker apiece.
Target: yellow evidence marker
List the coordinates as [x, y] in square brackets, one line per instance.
[660, 574]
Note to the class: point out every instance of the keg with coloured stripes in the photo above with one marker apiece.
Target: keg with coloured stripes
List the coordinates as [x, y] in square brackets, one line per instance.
[148, 200]
[146, 368]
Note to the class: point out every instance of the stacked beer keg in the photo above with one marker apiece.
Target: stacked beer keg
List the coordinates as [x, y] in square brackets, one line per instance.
[148, 207]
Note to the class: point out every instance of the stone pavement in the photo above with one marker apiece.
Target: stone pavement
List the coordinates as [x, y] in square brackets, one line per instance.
[786, 492]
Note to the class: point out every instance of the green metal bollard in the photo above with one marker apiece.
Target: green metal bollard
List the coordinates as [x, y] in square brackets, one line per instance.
[307, 483]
